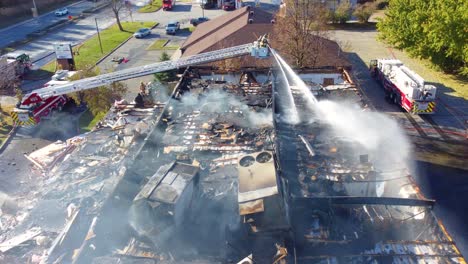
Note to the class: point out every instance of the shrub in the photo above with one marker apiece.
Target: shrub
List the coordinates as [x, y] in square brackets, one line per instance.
[342, 12]
[364, 11]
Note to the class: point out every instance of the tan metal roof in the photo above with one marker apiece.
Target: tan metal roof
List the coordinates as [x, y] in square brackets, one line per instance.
[257, 176]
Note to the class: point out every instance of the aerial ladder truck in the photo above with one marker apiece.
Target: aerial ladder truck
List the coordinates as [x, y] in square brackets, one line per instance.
[403, 86]
[41, 102]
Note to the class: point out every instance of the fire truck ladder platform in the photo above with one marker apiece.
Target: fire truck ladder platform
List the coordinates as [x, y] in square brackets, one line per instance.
[108, 78]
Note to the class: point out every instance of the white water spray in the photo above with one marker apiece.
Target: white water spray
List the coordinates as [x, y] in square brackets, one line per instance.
[381, 137]
[299, 84]
[290, 109]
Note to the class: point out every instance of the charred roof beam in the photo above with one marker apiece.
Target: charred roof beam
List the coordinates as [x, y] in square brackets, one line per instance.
[360, 200]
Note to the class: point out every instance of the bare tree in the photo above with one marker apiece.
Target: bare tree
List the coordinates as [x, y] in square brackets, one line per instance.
[99, 99]
[300, 31]
[117, 6]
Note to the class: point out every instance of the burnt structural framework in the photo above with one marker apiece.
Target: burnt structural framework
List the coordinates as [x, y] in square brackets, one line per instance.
[341, 209]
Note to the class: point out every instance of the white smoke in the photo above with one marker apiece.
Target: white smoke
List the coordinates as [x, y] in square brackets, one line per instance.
[219, 101]
[382, 138]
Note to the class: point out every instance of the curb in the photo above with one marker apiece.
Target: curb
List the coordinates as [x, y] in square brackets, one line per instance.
[29, 39]
[32, 19]
[11, 134]
[118, 46]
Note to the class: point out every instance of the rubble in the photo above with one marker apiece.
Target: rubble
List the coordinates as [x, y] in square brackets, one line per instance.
[78, 176]
[348, 207]
[215, 175]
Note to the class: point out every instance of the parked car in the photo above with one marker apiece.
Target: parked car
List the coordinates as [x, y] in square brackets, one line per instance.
[199, 20]
[207, 4]
[172, 27]
[61, 12]
[142, 32]
[228, 6]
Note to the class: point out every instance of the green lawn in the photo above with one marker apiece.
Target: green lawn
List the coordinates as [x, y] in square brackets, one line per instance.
[158, 44]
[154, 6]
[88, 121]
[90, 52]
[162, 44]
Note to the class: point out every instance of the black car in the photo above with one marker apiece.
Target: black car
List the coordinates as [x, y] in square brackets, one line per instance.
[199, 20]
[228, 6]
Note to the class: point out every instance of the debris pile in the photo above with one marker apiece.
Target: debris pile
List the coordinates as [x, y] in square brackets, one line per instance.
[77, 177]
[346, 206]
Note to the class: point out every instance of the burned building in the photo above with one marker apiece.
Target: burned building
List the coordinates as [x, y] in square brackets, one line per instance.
[217, 174]
[350, 203]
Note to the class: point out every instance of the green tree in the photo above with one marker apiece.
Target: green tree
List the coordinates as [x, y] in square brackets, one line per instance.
[431, 29]
[364, 11]
[166, 76]
[99, 99]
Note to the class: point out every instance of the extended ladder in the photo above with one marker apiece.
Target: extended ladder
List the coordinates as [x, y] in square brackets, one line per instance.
[108, 78]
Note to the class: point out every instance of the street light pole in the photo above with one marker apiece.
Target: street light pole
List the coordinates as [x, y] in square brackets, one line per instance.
[35, 9]
[99, 35]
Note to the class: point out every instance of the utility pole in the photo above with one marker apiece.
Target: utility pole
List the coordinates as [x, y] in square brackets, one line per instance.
[99, 35]
[34, 10]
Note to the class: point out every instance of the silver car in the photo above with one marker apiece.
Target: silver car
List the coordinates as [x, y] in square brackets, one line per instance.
[61, 12]
[142, 32]
[172, 28]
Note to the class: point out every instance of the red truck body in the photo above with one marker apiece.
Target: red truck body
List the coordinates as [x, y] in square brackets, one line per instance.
[404, 87]
[168, 4]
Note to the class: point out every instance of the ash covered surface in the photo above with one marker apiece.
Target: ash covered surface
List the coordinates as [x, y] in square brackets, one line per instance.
[75, 178]
[351, 203]
[161, 185]
[209, 125]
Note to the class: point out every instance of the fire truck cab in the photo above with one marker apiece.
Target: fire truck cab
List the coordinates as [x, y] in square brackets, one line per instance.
[168, 4]
[404, 87]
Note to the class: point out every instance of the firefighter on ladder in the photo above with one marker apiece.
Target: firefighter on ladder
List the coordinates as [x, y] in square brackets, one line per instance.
[143, 99]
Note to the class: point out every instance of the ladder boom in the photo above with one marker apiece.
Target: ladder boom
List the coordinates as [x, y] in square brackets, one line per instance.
[108, 78]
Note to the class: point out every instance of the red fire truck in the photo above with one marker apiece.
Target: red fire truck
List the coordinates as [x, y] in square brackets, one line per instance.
[168, 4]
[404, 87]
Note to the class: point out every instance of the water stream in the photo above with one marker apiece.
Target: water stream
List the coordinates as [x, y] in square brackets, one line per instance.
[379, 135]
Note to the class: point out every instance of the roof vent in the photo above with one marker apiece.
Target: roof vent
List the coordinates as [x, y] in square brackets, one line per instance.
[250, 21]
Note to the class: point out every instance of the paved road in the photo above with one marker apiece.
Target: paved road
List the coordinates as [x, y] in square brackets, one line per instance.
[16, 172]
[361, 46]
[21, 30]
[449, 187]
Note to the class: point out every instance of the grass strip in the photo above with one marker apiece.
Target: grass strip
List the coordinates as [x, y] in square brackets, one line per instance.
[90, 52]
[154, 6]
[158, 44]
